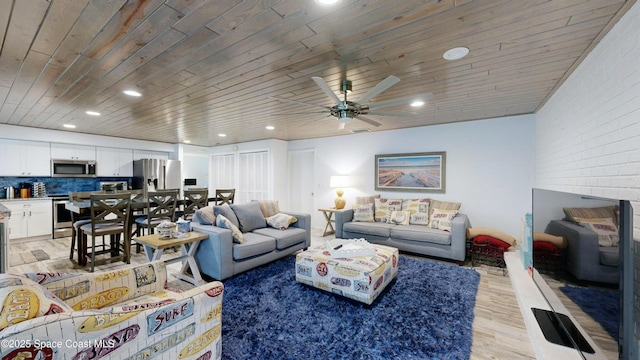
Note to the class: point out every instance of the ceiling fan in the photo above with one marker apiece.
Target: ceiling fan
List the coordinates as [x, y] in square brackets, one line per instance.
[345, 111]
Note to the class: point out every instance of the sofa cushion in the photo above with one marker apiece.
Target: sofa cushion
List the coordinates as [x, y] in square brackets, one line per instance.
[384, 207]
[419, 210]
[420, 233]
[249, 216]
[268, 207]
[204, 215]
[605, 228]
[363, 212]
[226, 211]
[281, 221]
[591, 213]
[441, 219]
[254, 244]
[609, 256]
[284, 238]
[223, 222]
[399, 217]
[23, 299]
[368, 228]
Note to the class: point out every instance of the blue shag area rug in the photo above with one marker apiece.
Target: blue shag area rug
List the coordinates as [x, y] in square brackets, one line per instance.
[601, 305]
[425, 313]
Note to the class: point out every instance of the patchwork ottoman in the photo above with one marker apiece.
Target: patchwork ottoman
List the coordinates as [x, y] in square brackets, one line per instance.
[361, 278]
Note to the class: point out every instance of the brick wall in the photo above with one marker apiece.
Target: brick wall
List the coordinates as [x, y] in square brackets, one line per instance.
[588, 133]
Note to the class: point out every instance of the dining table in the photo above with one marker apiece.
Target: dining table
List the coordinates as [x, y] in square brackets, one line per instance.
[82, 210]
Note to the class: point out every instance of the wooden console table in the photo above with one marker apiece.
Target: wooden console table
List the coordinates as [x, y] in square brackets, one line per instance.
[154, 248]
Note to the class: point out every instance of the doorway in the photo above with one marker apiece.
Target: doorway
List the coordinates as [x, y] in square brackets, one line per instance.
[301, 175]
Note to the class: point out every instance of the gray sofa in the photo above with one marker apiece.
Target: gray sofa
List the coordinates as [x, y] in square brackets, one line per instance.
[417, 239]
[219, 257]
[586, 260]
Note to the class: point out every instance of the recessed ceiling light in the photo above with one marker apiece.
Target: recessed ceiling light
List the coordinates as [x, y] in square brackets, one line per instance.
[269, 127]
[69, 126]
[222, 135]
[187, 141]
[417, 103]
[132, 93]
[327, 2]
[456, 53]
[92, 113]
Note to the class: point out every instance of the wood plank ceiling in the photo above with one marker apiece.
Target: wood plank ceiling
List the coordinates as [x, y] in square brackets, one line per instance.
[206, 68]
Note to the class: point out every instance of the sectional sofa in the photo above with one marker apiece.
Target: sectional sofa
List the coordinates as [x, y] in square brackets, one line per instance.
[420, 226]
[244, 236]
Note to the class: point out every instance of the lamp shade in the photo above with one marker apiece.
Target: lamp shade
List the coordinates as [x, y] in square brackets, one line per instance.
[339, 181]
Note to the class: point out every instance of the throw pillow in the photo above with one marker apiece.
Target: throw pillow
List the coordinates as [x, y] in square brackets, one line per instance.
[419, 210]
[444, 205]
[605, 228]
[281, 221]
[226, 211]
[399, 217]
[364, 200]
[223, 222]
[573, 214]
[268, 207]
[205, 215]
[441, 219]
[249, 216]
[363, 213]
[23, 299]
[384, 207]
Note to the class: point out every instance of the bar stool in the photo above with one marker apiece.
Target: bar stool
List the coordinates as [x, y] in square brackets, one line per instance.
[161, 206]
[76, 234]
[225, 196]
[194, 199]
[109, 216]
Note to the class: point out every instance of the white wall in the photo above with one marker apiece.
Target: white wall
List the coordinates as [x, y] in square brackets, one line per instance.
[588, 133]
[489, 166]
[195, 164]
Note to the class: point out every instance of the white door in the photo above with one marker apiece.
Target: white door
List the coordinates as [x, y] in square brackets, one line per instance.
[301, 181]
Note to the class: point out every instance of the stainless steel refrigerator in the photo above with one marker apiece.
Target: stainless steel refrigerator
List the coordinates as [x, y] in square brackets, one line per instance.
[156, 174]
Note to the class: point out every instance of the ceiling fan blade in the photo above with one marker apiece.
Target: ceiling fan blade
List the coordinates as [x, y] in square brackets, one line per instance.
[298, 113]
[382, 86]
[298, 102]
[392, 114]
[368, 120]
[327, 90]
[400, 101]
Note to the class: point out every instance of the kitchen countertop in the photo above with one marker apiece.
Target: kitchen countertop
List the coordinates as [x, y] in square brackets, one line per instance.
[26, 199]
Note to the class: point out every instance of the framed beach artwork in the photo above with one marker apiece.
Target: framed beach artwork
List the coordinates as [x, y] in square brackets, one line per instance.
[411, 172]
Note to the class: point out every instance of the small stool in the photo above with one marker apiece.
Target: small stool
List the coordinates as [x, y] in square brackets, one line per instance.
[76, 234]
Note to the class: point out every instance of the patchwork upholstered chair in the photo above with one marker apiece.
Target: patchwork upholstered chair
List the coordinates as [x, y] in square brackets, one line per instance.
[120, 314]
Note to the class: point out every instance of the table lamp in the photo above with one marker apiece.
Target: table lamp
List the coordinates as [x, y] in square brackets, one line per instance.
[339, 181]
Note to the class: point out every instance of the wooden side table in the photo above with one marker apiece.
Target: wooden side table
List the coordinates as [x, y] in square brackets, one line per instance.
[328, 215]
[154, 248]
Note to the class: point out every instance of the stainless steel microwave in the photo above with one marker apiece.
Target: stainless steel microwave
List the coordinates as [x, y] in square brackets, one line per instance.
[73, 168]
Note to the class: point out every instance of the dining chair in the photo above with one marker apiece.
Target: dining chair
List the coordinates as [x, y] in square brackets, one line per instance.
[225, 196]
[194, 199]
[77, 221]
[161, 206]
[109, 216]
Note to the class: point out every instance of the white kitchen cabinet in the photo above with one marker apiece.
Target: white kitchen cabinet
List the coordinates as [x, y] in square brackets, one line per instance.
[73, 152]
[30, 218]
[114, 162]
[24, 158]
[148, 154]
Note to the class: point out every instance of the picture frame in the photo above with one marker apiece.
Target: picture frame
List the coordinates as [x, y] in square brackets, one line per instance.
[423, 172]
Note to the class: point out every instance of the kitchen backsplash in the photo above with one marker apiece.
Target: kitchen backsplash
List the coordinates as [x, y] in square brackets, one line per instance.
[61, 185]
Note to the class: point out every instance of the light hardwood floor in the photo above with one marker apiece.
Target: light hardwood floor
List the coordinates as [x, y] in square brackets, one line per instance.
[499, 331]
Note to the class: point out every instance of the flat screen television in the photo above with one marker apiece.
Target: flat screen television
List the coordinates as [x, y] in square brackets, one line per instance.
[601, 269]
